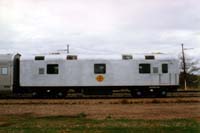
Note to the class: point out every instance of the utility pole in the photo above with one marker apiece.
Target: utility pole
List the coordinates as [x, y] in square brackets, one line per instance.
[67, 48]
[184, 68]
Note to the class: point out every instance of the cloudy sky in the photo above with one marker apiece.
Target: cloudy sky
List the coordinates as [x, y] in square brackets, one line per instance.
[100, 26]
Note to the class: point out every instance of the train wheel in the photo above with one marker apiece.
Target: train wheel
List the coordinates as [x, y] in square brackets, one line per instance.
[36, 94]
[137, 93]
[61, 94]
[162, 93]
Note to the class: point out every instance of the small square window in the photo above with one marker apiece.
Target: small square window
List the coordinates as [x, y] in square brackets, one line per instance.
[155, 69]
[4, 71]
[99, 68]
[41, 70]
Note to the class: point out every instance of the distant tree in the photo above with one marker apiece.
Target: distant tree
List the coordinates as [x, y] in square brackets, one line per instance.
[199, 79]
[192, 72]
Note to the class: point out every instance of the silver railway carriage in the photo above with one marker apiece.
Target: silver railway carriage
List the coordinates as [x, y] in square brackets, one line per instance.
[9, 74]
[96, 74]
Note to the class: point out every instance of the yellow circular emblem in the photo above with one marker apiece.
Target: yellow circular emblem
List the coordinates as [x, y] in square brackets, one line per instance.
[100, 78]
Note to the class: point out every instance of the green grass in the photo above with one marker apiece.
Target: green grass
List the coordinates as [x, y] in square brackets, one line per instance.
[28, 123]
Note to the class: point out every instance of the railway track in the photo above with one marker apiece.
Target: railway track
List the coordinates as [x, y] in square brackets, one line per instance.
[184, 94]
[118, 95]
[116, 98]
[110, 101]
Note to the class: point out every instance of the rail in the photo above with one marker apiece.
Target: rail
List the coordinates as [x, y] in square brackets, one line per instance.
[175, 94]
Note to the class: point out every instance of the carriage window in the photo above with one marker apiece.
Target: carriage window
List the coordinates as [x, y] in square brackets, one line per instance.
[39, 57]
[52, 69]
[164, 68]
[99, 68]
[4, 71]
[41, 71]
[144, 68]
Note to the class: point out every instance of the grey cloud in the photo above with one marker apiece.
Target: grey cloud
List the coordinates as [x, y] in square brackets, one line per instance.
[108, 26]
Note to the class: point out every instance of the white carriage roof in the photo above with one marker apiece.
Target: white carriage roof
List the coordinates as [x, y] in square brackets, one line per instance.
[7, 57]
[100, 57]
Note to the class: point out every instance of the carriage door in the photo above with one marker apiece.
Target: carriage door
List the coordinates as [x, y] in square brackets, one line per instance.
[164, 77]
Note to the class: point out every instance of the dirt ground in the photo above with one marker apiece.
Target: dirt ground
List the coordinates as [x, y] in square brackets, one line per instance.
[101, 109]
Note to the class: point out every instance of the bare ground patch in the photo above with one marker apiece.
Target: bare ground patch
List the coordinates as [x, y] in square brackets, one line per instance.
[105, 108]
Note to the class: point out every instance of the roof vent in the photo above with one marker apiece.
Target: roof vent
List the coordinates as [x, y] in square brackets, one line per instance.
[149, 57]
[127, 57]
[72, 57]
[39, 57]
